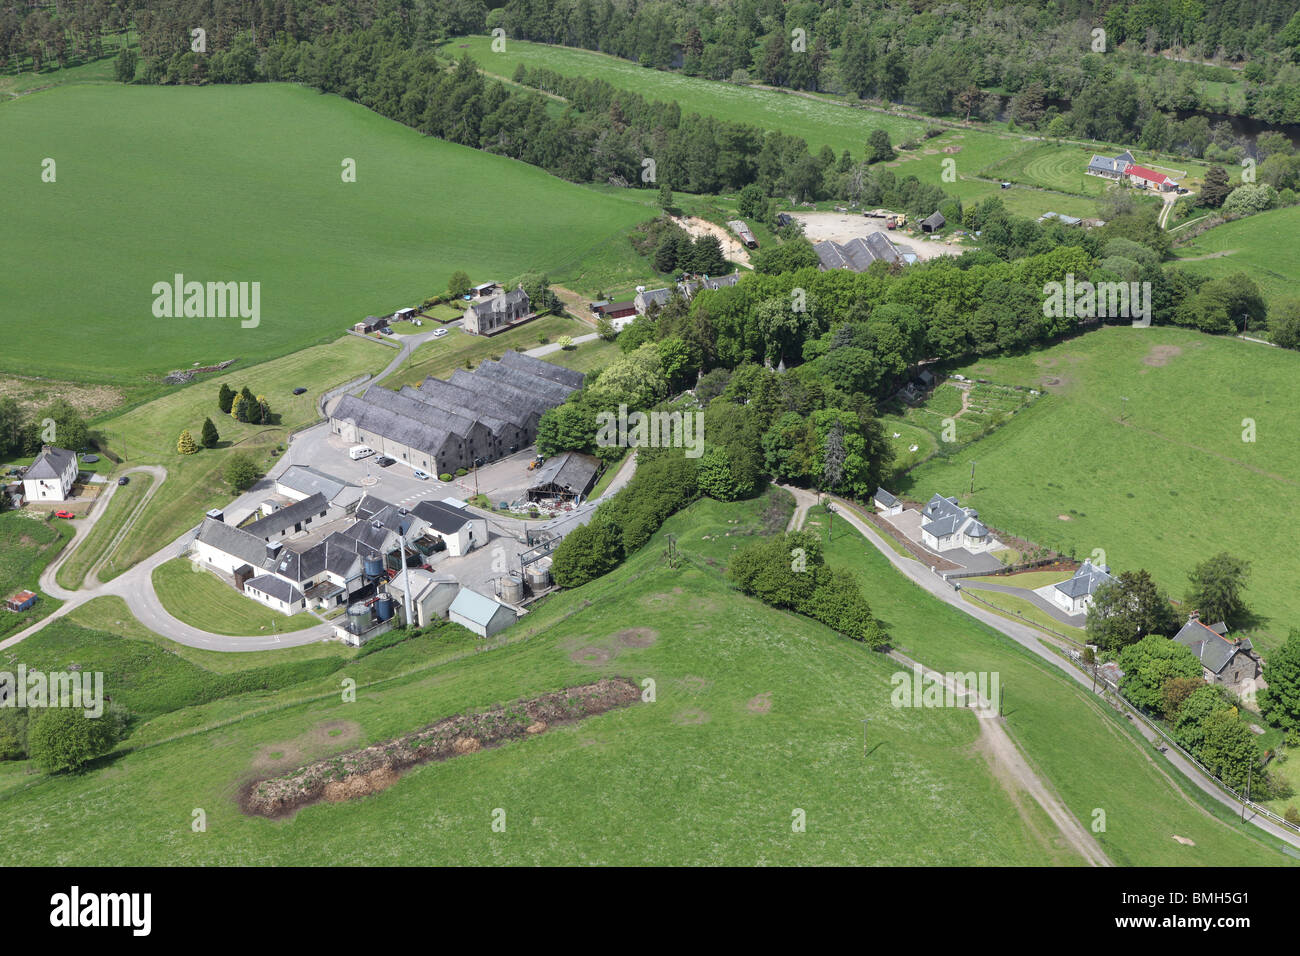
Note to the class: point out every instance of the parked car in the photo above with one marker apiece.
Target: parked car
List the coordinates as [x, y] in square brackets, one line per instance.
[124, 480]
[383, 461]
[419, 474]
[64, 514]
[299, 390]
[439, 333]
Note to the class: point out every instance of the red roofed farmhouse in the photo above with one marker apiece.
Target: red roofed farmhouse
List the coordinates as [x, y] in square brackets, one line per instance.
[1147, 178]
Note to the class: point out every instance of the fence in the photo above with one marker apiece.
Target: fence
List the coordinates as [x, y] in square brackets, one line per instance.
[1205, 771]
[1009, 569]
[1020, 617]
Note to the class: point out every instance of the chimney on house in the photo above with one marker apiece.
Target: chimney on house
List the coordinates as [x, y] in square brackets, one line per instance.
[1194, 616]
[216, 514]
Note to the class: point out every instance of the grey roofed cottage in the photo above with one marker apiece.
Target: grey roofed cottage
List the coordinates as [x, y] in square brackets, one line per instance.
[933, 222]
[51, 463]
[1075, 594]
[501, 310]
[277, 588]
[1224, 660]
[443, 518]
[647, 297]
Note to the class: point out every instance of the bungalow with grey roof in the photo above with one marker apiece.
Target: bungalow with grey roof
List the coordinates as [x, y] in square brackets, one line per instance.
[947, 525]
[1074, 595]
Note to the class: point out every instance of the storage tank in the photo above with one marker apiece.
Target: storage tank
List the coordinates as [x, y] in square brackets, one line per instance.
[384, 607]
[358, 618]
[512, 589]
[539, 578]
[374, 567]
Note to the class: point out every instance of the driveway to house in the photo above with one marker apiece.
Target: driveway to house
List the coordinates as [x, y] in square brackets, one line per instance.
[1033, 597]
[554, 347]
[1032, 640]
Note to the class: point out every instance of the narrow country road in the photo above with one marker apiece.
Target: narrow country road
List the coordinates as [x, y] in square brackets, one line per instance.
[1006, 761]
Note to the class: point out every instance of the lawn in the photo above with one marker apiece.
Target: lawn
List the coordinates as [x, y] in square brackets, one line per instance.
[1137, 449]
[95, 545]
[1262, 246]
[819, 122]
[135, 202]
[751, 721]
[1029, 580]
[1019, 609]
[586, 357]
[202, 600]
[1092, 758]
[941, 424]
[441, 357]
[27, 545]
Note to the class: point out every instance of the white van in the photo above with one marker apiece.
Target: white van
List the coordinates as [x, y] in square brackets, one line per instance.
[357, 452]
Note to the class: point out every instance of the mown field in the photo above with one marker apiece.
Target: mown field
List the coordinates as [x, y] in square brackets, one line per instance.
[1137, 448]
[751, 722]
[27, 545]
[119, 510]
[820, 122]
[1092, 758]
[1263, 246]
[152, 182]
[201, 599]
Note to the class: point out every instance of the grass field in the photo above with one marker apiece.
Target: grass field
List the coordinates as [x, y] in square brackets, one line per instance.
[751, 721]
[1019, 609]
[1260, 246]
[27, 545]
[123, 504]
[203, 600]
[136, 201]
[1137, 449]
[820, 122]
[1093, 758]
[941, 419]
[1029, 580]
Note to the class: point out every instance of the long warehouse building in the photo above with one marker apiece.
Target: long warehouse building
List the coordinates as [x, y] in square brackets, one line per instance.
[446, 425]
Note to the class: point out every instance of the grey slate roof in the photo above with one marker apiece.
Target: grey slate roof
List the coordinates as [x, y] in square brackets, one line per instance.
[945, 516]
[278, 521]
[1115, 166]
[501, 302]
[277, 588]
[546, 370]
[308, 481]
[554, 392]
[858, 253]
[234, 541]
[50, 463]
[1087, 578]
[443, 518]
[398, 428]
[571, 471]
[1213, 650]
[885, 498]
[935, 220]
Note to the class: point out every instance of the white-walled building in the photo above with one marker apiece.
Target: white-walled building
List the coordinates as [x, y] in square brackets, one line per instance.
[1075, 594]
[481, 614]
[51, 476]
[947, 525]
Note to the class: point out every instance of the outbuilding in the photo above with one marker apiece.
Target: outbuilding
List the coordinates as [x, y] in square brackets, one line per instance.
[479, 613]
[933, 222]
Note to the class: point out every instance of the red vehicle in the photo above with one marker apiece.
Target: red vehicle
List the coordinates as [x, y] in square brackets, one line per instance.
[64, 514]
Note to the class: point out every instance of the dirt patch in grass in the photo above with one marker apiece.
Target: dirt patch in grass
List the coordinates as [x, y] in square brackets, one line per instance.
[359, 773]
[760, 703]
[691, 718]
[1160, 355]
[695, 685]
[1064, 518]
[636, 637]
[1184, 841]
[289, 753]
[592, 656]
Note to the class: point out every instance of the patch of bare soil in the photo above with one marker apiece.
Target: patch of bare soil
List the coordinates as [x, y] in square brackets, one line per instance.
[636, 637]
[359, 773]
[1160, 355]
[691, 718]
[1064, 518]
[289, 753]
[593, 656]
[695, 685]
[1184, 841]
[760, 703]
[952, 149]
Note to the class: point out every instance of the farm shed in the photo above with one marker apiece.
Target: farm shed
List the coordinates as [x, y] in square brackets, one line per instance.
[568, 476]
[933, 222]
[371, 323]
[21, 601]
[479, 613]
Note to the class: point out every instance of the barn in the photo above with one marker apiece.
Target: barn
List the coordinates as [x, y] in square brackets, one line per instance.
[568, 476]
